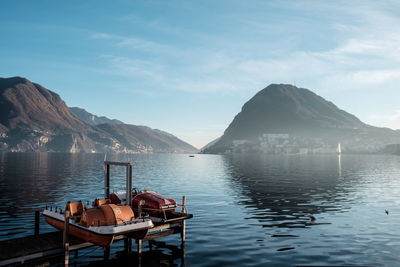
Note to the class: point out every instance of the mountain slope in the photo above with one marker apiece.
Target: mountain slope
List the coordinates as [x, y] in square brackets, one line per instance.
[92, 119]
[136, 138]
[26, 104]
[33, 118]
[297, 112]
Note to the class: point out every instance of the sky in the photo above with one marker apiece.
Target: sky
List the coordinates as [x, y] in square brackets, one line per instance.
[187, 67]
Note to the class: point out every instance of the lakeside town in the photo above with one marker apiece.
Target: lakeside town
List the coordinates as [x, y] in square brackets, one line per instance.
[284, 143]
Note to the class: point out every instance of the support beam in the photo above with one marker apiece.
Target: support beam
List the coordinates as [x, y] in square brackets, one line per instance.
[129, 184]
[183, 231]
[139, 242]
[106, 180]
[37, 222]
[66, 238]
[106, 253]
[129, 245]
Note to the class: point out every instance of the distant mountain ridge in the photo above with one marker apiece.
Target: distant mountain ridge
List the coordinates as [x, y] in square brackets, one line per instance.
[33, 118]
[92, 119]
[301, 114]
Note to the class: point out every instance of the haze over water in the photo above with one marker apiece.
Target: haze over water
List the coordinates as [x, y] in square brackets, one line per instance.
[249, 210]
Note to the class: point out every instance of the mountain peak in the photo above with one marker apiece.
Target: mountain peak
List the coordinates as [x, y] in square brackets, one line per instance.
[33, 118]
[92, 119]
[289, 110]
[12, 81]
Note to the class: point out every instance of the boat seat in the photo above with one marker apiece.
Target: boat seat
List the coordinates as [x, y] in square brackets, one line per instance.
[76, 209]
[101, 202]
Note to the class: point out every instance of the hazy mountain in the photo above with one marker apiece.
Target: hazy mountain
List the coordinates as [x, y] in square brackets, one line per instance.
[33, 118]
[133, 138]
[301, 114]
[210, 144]
[92, 119]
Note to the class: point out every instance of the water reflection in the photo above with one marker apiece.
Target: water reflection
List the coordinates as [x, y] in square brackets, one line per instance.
[248, 210]
[30, 180]
[156, 254]
[281, 191]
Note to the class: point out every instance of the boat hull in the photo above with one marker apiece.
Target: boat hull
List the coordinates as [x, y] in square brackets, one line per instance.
[98, 239]
[101, 235]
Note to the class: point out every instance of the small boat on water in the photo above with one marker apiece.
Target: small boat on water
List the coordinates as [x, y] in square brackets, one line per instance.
[100, 223]
[160, 208]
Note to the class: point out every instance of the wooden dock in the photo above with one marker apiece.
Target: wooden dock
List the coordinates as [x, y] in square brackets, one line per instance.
[21, 250]
[59, 243]
[35, 247]
[40, 246]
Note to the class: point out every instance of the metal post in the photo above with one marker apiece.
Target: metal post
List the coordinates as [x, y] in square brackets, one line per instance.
[139, 247]
[66, 237]
[183, 231]
[106, 180]
[129, 245]
[129, 184]
[37, 222]
[106, 253]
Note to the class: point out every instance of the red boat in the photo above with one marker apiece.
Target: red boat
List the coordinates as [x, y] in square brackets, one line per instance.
[160, 208]
[153, 202]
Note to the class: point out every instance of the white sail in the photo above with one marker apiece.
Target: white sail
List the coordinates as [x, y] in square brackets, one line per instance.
[339, 149]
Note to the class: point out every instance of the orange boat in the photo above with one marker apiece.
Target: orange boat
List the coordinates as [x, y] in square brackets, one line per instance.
[100, 223]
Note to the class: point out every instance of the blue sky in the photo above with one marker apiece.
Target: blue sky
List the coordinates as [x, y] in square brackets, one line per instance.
[187, 67]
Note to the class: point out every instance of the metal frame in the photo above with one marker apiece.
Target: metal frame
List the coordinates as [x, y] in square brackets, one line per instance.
[128, 191]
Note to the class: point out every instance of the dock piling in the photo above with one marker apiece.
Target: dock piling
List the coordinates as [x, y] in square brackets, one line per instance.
[183, 231]
[106, 253]
[139, 242]
[66, 237]
[37, 222]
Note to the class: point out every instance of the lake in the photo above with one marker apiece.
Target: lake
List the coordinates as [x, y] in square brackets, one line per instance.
[248, 210]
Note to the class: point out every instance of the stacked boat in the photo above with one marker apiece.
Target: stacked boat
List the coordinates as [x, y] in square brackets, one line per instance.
[99, 223]
[104, 219]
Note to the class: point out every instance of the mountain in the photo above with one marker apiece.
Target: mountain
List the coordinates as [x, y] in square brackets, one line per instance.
[284, 118]
[131, 138]
[210, 144]
[92, 119]
[33, 118]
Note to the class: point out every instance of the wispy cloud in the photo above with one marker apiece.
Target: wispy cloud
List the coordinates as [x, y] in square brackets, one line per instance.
[133, 42]
[396, 116]
[364, 54]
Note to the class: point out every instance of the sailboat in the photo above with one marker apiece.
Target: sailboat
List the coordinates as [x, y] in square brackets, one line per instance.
[339, 149]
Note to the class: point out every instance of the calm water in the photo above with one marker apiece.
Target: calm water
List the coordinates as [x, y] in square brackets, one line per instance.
[249, 210]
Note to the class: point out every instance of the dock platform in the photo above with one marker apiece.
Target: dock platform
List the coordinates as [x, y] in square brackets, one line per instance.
[61, 243]
[40, 246]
